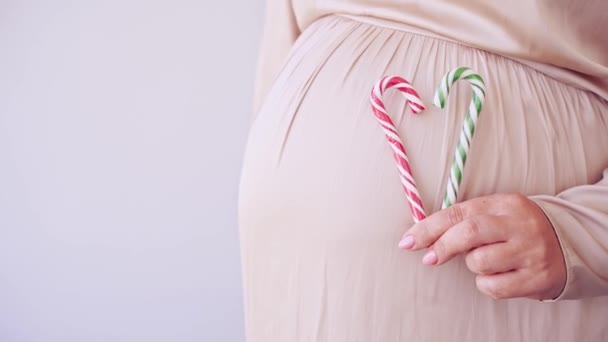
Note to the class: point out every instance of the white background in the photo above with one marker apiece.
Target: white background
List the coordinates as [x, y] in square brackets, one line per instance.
[122, 128]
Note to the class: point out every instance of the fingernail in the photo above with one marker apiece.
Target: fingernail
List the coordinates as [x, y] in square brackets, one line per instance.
[407, 242]
[430, 258]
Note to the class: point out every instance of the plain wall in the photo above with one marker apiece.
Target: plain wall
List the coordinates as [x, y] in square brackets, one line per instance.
[122, 129]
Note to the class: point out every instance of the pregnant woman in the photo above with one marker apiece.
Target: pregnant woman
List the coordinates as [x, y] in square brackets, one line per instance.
[523, 256]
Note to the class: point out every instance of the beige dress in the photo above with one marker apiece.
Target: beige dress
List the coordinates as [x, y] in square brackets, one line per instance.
[321, 206]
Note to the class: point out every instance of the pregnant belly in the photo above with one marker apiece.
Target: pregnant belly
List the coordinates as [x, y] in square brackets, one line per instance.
[321, 206]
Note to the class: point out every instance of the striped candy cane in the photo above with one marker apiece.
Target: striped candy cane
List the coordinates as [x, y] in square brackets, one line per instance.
[403, 165]
[468, 128]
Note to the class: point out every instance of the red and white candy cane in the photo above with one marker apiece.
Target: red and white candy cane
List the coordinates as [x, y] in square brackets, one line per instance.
[405, 173]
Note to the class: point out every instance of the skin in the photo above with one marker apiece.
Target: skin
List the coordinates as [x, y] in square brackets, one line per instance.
[506, 239]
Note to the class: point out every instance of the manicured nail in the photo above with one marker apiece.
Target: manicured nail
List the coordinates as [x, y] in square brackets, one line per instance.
[407, 242]
[430, 258]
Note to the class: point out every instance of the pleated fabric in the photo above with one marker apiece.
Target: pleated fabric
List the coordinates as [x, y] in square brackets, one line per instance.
[322, 208]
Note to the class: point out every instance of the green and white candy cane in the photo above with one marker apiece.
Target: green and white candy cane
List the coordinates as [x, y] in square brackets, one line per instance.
[468, 128]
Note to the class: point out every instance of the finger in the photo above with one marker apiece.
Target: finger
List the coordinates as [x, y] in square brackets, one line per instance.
[493, 258]
[424, 233]
[511, 284]
[470, 233]
[499, 286]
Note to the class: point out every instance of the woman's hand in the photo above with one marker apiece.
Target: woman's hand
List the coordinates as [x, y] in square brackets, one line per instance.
[508, 241]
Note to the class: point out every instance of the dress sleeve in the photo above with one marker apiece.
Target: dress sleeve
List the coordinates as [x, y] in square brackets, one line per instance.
[279, 33]
[580, 218]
